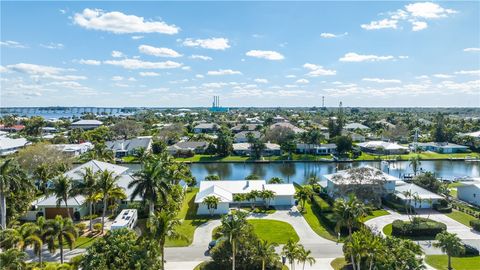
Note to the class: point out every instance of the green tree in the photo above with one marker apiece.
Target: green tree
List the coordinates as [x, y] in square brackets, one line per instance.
[304, 256]
[257, 147]
[265, 250]
[289, 146]
[224, 142]
[211, 202]
[232, 226]
[13, 259]
[450, 244]
[108, 187]
[439, 129]
[252, 177]
[344, 144]
[35, 234]
[267, 196]
[275, 180]
[252, 197]
[34, 125]
[415, 163]
[62, 189]
[291, 250]
[127, 129]
[349, 213]
[303, 194]
[212, 177]
[60, 231]
[44, 173]
[88, 189]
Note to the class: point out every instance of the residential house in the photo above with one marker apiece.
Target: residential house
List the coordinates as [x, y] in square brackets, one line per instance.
[355, 136]
[444, 148]
[86, 124]
[244, 127]
[245, 149]
[9, 145]
[242, 136]
[279, 119]
[206, 128]
[74, 150]
[355, 126]
[469, 192]
[188, 147]
[13, 128]
[226, 190]
[420, 197]
[123, 148]
[382, 148]
[316, 149]
[288, 125]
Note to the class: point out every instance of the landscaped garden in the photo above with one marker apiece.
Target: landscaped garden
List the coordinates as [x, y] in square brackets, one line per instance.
[440, 262]
[416, 229]
[339, 263]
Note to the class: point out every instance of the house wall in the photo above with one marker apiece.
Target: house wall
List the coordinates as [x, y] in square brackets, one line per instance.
[222, 208]
[424, 204]
[286, 200]
[470, 194]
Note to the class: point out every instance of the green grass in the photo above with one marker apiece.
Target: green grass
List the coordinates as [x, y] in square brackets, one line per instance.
[376, 213]
[387, 230]
[84, 242]
[440, 262]
[129, 159]
[339, 263]
[190, 221]
[312, 216]
[424, 155]
[273, 230]
[461, 217]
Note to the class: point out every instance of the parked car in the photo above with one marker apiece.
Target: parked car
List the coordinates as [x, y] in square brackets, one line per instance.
[215, 242]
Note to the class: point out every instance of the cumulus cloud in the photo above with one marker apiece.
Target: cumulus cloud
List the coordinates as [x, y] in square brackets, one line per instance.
[381, 24]
[138, 64]
[379, 80]
[117, 78]
[355, 57]
[137, 37]
[468, 72]
[120, 23]
[149, 74]
[316, 70]
[160, 52]
[331, 35]
[269, 55]
[223, 72]
[442, 76]
[418, 26]
[302, 81]
[471, 50]
[428, 10]
[201, 57]
[117, 54]
[12, 44]
[90, 62]
[34, 69]
[209, 43]
[259, 80]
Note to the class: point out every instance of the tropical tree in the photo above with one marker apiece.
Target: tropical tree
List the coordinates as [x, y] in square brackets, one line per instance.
[252, 197]
[160, 227]
[450, 244]
[265, 250]
[43, 173]
[60, 231]
[211, 202]
[291, 251]
[349, 213]
[108, 188]
[252, 177]
[62, 189]
[212, 177]
[13, 259]
[35, 236]
[275, 180]
[304, 256]
[303, 194]
[232, 227]
[88, 189]
[11, 178]
[415, 163]
[267, 196]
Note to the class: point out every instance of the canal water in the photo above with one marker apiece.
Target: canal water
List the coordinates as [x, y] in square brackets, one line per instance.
[300, 171]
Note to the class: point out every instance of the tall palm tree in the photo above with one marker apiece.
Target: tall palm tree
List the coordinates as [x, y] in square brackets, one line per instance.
[13, 259]
[88, 188]
[275, 180]
[43, 173]
[252, 197]
[211, 202]
[291, 252]
[304, 256]
[265, 250]
[450, 244]
[11, 238]
[108, 188]
[232, 227]
[267, 196]
[160, 227]
[11, 178]
[62, 231]
[415, 163]
[349, 213]
[36, 233]
[303, 194]
[150, 184]
[63, 190]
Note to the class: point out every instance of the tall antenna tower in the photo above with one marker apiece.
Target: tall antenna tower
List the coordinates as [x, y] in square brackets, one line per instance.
[323, 101]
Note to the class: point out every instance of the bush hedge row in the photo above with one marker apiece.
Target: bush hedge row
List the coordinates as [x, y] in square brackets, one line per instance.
[475, 224]
[417, 227]
[442, 209]
[324, 206]
[395, 205]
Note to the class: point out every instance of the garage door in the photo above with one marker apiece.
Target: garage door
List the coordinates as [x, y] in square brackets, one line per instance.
[53, 212]
[283, 200]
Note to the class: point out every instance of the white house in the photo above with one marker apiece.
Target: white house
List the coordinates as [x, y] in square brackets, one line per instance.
[86, 124]
[225, 191]
[316, 149]
[74, 149]
[469, 192]
[425, 198]
[381, 147]
[9, 146]
[355, 126]
[288, 125]
[123, 148]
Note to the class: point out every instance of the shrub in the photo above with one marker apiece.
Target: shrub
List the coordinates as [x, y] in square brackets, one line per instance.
[475, 224]
[417, 227]
[396, 205]
[80, 227]
[321, 204]
[88, 217]
[442, 208]
[76, 261]
[471, 250]
[97, 227]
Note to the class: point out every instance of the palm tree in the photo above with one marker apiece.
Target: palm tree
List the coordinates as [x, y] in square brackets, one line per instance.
[88, 189]
[275, 180]
[408, 199]
[11, 178]
[349, 213]
[267, 196]
[265, 250]
[160, 227]
[291, 252]
[43, 173]
[11, 238]
[13, 259]
[252, 197]
[304, 256]
[232, 227]
[108, 188]
[450, 244]
[415, 163]
[212, 177]
[35, 236]
[211, 202]
[62, 231]
[149, 183]
[62, 189]
[303, 194]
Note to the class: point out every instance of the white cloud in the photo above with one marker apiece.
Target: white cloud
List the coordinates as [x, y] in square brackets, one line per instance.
[223, 72]
[418, 26]
[468, 72]
[379, 80]
[331, 35]
[303, 81]
[138, 64]
[12, 44]
[186, 68]
[89, 62]
[137, 37]
[261, 80]
[442, 76]
[428, 10]
[210, 43]
[290, 76]
[316, 70]
[117, 78]
[159, 52]
[269, 55]
[381, 24]
[120, 23]
[355, 57]
[199, 76]
[53, 46]
[201, 57]
[60, 77]
[34, 69]
[149, 74]
[471, 50]
[3, 69]
[117, 54]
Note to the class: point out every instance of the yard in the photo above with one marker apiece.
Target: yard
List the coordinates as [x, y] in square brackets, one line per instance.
[461, 263]
[312, 216]
[376, 213]
[84, 242]
[339, 264]
[461, 217]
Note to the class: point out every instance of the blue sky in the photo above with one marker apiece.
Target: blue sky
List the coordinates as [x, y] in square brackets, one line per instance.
[249, 53]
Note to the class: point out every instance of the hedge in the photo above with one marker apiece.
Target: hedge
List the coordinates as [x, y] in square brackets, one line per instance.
[395, 205]
[321, 204]
[419, 227]
[470, 250]
[475, 224]
[442, 209]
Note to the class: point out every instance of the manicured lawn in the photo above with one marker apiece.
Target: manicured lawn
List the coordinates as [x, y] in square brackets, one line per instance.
[376, 213]
[190, 221]
[128, 159]
[387, 230]
[312, 216]
[424, 155]
[440, 262]
[84, 242]
[273, 230]
[339, 263]
[461, 217]
[210, 158]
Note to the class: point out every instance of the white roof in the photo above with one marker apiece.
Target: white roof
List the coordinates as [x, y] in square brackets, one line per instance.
[345, 177]
[241, 146]
[401, 186]
[95, 165]
[216, 191]
[51, 201]
[475, 134]
[355, 126]
[123, 183]
[87, 122]
[9, 143]
[281, 189]
[384, 145]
